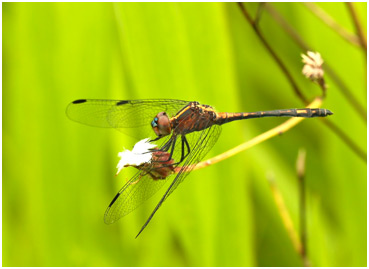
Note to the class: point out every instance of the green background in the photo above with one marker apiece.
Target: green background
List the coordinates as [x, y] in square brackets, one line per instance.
[58, 176]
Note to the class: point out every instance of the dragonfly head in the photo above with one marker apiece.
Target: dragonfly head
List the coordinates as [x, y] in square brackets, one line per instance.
[161, 124]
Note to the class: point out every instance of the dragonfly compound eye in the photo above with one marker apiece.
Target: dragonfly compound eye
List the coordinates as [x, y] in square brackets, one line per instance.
[161, 124]
[154, 123]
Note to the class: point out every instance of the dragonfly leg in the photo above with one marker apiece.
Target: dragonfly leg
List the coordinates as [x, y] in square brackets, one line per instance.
[188, 146]
[174, 139]
[156, 139]
[170, 144]
[183, 155]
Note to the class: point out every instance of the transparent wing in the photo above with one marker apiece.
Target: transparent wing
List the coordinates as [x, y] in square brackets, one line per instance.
[142, 186]
[124, 115]
[201, 143]
[133, 194]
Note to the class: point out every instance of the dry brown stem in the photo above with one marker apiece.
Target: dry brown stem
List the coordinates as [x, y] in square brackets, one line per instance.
[328, 20]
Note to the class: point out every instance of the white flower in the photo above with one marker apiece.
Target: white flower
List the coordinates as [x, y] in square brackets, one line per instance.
[140, 154]
[313, 65]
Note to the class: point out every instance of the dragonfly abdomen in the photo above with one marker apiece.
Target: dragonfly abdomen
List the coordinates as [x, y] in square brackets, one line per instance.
[225, 117]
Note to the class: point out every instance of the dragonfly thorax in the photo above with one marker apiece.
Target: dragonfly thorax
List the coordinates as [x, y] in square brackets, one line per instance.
[161, 124]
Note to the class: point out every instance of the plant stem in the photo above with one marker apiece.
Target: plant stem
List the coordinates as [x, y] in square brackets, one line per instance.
[300, 167]
[285, 216]
[273, 54]
[259, 12]
[328, 20]
[359, 28]
[297, 38]
[360, 33]
[351, 144]
[344, 89]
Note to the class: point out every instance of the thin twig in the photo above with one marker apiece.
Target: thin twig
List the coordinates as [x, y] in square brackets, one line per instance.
[285, 216]
[344, 89]
[297, 38]
[355, 104]
[359, 28]
[300, 167]
[259, 12]
[274, 55]
[280, 129]
[343, 136]
[328, 20]
[347, 140]
[361, 35]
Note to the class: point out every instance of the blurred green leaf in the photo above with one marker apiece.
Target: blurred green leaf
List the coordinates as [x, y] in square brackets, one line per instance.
[58, 176]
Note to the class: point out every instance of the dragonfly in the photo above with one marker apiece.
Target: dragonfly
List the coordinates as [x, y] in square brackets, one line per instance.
[184, 131]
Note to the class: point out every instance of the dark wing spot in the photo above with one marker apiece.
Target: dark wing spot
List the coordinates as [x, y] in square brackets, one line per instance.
[115, 198]
[122, 103]
[79, 101]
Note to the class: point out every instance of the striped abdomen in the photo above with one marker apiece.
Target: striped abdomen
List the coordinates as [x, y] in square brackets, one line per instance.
[225, 117]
